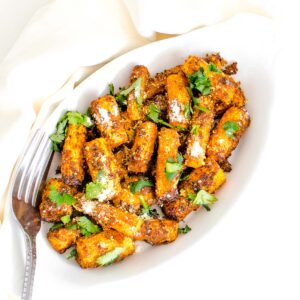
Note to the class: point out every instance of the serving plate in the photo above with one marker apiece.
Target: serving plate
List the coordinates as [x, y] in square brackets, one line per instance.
[236, 41]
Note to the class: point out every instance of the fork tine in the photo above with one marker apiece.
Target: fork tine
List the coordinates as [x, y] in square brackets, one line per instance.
[35, 166]
[38, 174]
[20, 164]
[26, 164]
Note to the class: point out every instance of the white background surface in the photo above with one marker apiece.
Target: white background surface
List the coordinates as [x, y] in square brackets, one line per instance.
[253, 251]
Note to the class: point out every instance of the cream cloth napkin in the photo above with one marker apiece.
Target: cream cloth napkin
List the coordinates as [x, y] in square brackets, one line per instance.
[66, 41]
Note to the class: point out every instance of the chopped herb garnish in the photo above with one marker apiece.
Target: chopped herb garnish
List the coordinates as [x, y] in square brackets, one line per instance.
[71, 226]
[213, 68]
[154, 116]
[184, 229]
[120, 98]
[147, 211]
[58, 198]
[109, 257]
[94, 189]
[66, 219]
[195, 129]
[71, 117]
[202, 198]
[188, 111]
[73, 253]
[173, 168]
[136, 86]
[138, 185]
[200, 82]
[231, 128]
[56, 226]
[111, 89]
[86, 226]
[202, 108]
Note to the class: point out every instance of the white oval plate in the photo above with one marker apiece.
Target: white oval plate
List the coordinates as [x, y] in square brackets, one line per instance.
[247, 39]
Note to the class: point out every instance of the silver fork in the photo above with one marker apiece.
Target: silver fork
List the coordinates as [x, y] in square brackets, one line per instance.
[30, 170]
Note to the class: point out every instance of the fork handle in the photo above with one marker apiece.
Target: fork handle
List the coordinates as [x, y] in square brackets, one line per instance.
[29, 267]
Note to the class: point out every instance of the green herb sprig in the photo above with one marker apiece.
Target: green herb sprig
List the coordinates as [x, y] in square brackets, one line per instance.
[60, 198]
[202, 198]
[231, 128]
[71, 117]
[173, 167]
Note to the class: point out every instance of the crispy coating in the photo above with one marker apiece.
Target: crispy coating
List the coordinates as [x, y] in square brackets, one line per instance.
[202, 123]
[157, 84]
[50, 211]
[157, 232]
[107, 116]
[179, 208]
[112, 217]
[127, 201]
[122, 158]
[178, 100]
[129, 126]
[61, 239]
[72, 160]
[168, 143]
[89, 249]
[216, 59]
[143, 147]
[134, 110]
[99, 157]
[160, 101]
[209, 177]
[223, 87]
[220, 145]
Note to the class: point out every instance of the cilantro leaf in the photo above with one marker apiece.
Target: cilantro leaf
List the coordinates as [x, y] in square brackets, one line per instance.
[56, 226]
[72, 117]
[66, 219]
[213, 68]
[138, 185]
[86, 226]
[202, 198]
[184, 229]
[200, 82]
[231, 128]
[195, 129]
[58, 198]
[71, 226]
[73, 253]
[109, 257]
[202, 108]
[111, 89]
[153, 115]
[93, 190]
[136, 86]
[188, 111]
[173, 168]
[147, 211]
